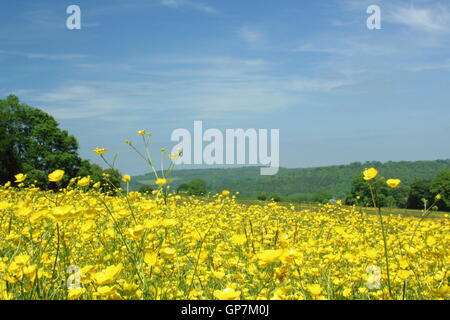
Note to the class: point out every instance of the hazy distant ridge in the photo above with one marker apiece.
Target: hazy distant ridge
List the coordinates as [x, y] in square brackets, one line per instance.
[290, 182]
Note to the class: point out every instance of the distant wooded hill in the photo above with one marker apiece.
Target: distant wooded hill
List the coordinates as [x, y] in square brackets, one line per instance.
[298, 184]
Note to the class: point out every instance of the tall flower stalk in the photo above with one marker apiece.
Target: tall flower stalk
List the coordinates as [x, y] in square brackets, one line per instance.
[369, 175]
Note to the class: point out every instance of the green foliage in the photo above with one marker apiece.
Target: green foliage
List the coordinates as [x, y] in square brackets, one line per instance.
[196, 187]
[400, 195]
[9, 159]
[361, 189]
[386, 196]
[275, 197]
[145, 189]
[31, 142]
[262, 197]
[425, 191]
[299, 197]
[441, 185]
[300, 184]
[321, 196]
[420, 189]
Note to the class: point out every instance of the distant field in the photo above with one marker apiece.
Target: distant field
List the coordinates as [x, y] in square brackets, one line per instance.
[384, 211]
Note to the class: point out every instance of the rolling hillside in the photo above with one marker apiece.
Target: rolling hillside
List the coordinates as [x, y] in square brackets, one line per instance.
[298, 183]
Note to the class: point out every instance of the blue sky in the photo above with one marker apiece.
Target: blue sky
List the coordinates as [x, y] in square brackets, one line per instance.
[337, 91]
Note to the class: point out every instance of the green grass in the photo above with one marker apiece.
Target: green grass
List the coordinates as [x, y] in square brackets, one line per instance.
[384, 211]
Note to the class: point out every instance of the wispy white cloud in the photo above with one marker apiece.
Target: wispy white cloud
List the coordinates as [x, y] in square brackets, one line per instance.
[421, 67]
[80, 100]
[423, 15]
[318, 85]
[251, 35]
[418, 30]
[43, 17]
[322, 49]
[429, 18]
[192, 4]
[206, 87]
[45, 56]
[216, 67]
[349, 47]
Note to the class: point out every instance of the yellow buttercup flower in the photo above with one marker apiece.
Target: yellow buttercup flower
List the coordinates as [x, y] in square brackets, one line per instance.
[238, 239]
[83, 182]
[151, 258]
[21, 260]
[161, 181]
[225, 193]
[168, 253]
[104, 291]
[108, 275]
[404, 274]
[227, 294]
[347, 292]
[20, 177]
[74, 294]
[431, 240]
[97, 185]
[142, 132]
[56, 176]
[438, 197]
[369, 174]
[177, 154]
[393, 183]
[30, 272]
[100, 151]
[126, 178]
[269, 256]
[63, 212]
[314, 289]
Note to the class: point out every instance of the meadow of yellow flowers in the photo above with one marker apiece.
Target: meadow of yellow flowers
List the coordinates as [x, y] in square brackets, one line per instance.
[78, 243]
[74, 244]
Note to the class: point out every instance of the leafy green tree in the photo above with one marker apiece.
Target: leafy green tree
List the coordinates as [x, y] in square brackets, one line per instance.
[441, 186]
[321, 196]
[196, 187]
[262, 197]
[31, 142]
[9, 159]
[400, 196]
[145, 189]
[420, 189]
[275, 197]
[361, 189]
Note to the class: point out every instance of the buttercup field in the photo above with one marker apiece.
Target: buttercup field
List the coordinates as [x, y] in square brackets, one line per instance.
[192, 151]
[162, 245]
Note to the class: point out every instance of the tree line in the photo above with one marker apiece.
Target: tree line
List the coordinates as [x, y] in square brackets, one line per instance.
[420, 194]
[31, 142]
